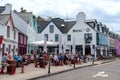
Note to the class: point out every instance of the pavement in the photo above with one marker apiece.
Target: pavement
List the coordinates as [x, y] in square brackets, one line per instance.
[31, 72]
[108, 71]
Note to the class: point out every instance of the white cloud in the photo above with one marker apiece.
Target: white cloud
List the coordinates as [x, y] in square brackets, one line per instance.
[109, 7]
[97, 9]
[61, 6]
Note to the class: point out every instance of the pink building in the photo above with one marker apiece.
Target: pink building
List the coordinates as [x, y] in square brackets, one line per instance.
[117, 47]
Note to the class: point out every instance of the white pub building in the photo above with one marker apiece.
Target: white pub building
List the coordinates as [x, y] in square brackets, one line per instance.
[85, 36]
[88, 34]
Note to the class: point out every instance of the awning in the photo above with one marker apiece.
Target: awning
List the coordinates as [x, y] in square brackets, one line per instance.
[41, 43]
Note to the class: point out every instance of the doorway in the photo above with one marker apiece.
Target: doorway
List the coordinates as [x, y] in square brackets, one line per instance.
[87, 50]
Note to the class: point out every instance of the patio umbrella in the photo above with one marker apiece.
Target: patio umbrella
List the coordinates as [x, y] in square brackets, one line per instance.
[41, 43]
[45, 45]
[73, 50]
[83, 49]
[64, 49]
[91, 47]
[60, 44]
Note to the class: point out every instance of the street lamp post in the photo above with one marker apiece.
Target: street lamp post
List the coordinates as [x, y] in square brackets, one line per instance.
[73, 51]
[93, 60]
[92, 52]
[49, 64]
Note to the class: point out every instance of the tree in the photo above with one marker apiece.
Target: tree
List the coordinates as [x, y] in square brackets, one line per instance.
[22, 9]
[34, 17]
[49, 17]
[40, 19]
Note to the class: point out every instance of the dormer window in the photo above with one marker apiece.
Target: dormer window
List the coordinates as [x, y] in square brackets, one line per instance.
[102, 29]
[109, 34]
[51, 28]
[62, 25]
[98, 28]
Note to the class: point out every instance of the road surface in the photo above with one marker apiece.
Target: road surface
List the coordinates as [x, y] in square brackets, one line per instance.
[107, 71]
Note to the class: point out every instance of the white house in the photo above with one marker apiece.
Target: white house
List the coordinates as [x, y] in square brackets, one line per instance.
[20, 24]
[9, 34]
[85, 36]
[25, 23]
[51, 30]
[30, 27]
[85, 32]
[68, 29]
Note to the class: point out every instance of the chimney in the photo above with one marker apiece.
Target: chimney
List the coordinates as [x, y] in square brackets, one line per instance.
[8, 8]
[80, 17]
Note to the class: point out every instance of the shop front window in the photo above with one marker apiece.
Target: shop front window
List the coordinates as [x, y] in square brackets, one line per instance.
[88, 37]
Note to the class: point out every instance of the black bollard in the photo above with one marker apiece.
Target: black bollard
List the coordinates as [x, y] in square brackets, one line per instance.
[49, 66]
[93, 61]
[74, 64]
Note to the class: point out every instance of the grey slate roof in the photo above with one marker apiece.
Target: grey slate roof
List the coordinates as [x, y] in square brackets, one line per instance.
[91, 20]
[69, 25]
[2, 8]
[58, 22]
[25, 16]
[42, 25]
[4, 18]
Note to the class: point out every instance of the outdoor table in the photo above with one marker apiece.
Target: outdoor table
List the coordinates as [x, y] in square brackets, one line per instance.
[41, 62]
[72, 61]
[12, 67]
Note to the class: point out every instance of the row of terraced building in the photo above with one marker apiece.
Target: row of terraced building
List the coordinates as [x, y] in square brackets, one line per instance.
[19, 29]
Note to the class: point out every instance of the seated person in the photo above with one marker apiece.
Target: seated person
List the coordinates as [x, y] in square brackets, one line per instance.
[15, 58]
[19, 60]
[32, 58]
[4, 61]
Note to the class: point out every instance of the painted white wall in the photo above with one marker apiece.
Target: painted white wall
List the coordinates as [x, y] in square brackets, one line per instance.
[51, 36]
[79, 36]
[111, 42]
[2, 29]
[31, 33]
[1, 33]
[19, 23]
[10, 40]
[7, 43]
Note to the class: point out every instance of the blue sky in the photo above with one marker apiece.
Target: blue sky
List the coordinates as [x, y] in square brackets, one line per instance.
[105, 11]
